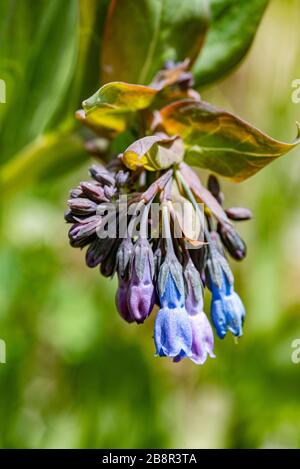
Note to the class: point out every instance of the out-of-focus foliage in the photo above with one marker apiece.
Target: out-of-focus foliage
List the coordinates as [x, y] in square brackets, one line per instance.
[38, 56]
[76, 375]
[233, 27]
[141, 36]
[48, 59]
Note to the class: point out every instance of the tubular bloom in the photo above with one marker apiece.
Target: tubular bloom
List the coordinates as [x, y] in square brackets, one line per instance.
[141, 291]
[172, 330]
[227, 309]
[202, 334]
[166, 260]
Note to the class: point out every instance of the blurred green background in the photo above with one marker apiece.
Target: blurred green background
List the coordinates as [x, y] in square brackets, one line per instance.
[76, 375]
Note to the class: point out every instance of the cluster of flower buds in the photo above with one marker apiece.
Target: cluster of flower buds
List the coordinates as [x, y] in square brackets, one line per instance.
[158, 265]
[163, 258]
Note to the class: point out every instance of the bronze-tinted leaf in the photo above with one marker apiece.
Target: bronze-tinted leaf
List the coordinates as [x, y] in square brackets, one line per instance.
[113, 104]
[220, 141]
[140, 35]
[154, 152]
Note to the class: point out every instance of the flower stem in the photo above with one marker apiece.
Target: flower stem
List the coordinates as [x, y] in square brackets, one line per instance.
[192, 199]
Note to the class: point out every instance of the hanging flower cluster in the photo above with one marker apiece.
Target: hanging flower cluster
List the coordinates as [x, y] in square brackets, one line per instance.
[164, 263]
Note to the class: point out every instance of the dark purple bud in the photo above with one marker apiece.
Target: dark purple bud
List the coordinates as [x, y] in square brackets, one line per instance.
[199, 257]
[95, 253]
[109, 263]
[214, 188]
[122, 178]
[109, 191]
[85, 220]
[186, 81]
[232, 241]
[141, 294]
[124, 255]
[102, 175]
[74, 193]
[69, 217]
[93, 191]
[82, 206]
[239, 213]
[81, 234]
[121, 299]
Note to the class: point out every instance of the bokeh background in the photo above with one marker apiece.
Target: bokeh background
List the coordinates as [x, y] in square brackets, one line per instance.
[76, 375]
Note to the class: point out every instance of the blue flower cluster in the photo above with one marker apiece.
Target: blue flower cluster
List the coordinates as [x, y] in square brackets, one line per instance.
[181, 327]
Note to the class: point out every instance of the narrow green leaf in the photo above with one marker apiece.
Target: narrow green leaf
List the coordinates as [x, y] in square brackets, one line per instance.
[141, 35]
[233, 27]
[38, 57]
[219, 141]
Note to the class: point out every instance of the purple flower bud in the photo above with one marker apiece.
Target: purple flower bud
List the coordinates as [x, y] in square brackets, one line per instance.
[239, 213]
[121, 299]
[109, 191]
[94, 191]
[141, 294]
[96, 252]
[232, 241]
[74, 193]
[82, 206]
[102, 175]
[69, 217]
[214, 188]
[122, 178]
[202, 335]
[202, 338]
[124, 255]
[199, 257]
[194, 294]
[81, 234]
[108, 265]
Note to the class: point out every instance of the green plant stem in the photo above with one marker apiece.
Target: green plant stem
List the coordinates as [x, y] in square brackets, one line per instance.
[35, 158]
[192, 199]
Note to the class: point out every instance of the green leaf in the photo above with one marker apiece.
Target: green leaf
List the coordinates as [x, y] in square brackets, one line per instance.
[219, 141]
[141, 35]
[92, 14]
[154, 153]
[38, 57]
[233, 27]
[113, 104]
